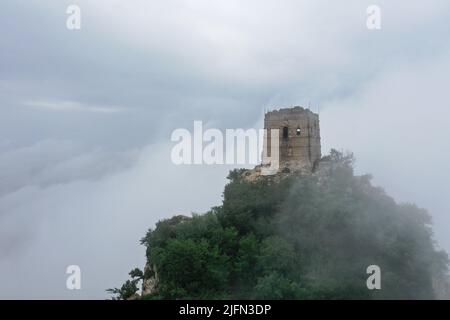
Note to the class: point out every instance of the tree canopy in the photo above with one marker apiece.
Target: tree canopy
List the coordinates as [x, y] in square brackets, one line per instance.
[297, 237]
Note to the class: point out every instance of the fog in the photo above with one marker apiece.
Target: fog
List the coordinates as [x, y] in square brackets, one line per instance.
[86, 116]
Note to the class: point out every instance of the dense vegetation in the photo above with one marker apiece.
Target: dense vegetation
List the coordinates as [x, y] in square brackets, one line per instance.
[296, 237]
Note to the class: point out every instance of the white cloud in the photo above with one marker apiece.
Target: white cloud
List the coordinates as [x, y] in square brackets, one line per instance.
[96, 224]
[398, 126]
[54, 161]
[221, 62]
[72, 106]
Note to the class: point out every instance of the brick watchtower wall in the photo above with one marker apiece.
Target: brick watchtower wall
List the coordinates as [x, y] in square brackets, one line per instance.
[299, 132]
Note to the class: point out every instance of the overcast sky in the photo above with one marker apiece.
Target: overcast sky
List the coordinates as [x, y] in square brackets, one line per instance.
[86, 115]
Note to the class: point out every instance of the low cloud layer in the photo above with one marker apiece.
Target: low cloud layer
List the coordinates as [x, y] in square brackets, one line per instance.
[96, 224]
[50, 162]
[398, 128]
[86, 116]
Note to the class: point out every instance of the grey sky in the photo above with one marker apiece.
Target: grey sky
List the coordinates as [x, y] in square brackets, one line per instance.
[86, 116]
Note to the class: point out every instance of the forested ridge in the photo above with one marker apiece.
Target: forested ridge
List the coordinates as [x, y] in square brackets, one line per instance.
[293, 236]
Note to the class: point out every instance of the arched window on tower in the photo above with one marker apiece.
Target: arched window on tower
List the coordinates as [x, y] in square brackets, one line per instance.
[285, 133]
[298, 131]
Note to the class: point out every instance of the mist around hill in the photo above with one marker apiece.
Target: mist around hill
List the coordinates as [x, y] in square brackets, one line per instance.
[294, 237]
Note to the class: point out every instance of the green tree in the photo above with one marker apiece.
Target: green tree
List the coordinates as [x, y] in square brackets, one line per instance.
[296, 237]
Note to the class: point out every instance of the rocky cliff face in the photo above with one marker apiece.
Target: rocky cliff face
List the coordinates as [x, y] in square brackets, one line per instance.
[150, 281]
[322, 167]
[441, 287]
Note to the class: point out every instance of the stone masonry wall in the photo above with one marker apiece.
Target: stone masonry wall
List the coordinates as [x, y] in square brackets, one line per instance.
[299, 132]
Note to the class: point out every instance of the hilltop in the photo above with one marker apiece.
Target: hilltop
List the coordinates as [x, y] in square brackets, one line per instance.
[294, 236]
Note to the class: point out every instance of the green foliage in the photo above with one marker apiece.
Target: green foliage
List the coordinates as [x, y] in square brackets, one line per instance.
[136, 273]
[128, 290]
[298, 237]
[193, 268]
[275, 286]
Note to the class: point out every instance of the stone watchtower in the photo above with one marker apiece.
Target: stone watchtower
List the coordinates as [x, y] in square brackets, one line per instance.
[299, 138]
